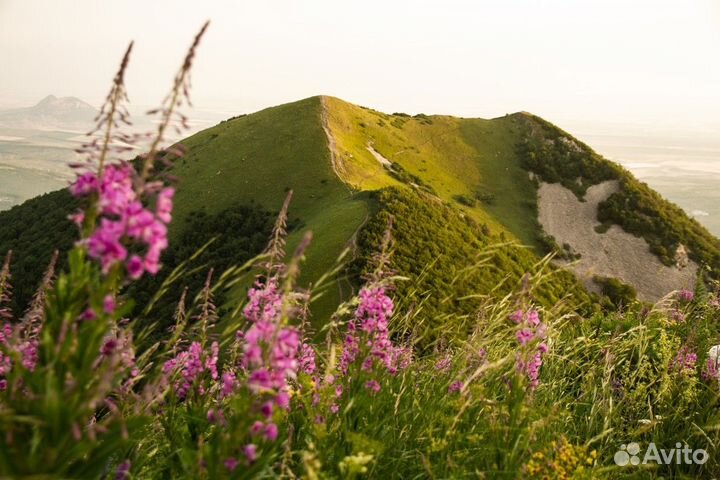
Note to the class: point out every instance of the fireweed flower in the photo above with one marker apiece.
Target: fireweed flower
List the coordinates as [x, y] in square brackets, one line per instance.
[190, 364]
[270, 357]
[250, 451]
[529, 359]
[368, 331]
[228, 384]
[125, 223]
[307, 359]
[231, 464]
[29, 353]
[123, 470]
[455, 387]
[444, 363]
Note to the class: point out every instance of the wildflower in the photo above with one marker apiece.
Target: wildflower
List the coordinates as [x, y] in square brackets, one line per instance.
[524, 336]
[677, 316]
[123, 470]
[190, 364]
[135, 267]
[533, 318]
[85, 184]
[164, 206]
[124, 220]
[109, 304]
[271, 432]
[372, 385]
[105, 244]
[270, 350]
[29, 353]
[230, 464]
[77, 218]
[307, 359]
[108, 347]
[684, 361]
[455, 387]
[228, 384]
[334, 408]
[353, 465]
[685, 295]
[531, 368]
[250, 451]
[351, 348]
[528, 362]
[517, 316]
[443, 364]
[211, 362]
[212, 416]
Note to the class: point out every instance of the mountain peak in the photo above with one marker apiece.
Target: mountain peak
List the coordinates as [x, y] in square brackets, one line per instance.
[51, 101]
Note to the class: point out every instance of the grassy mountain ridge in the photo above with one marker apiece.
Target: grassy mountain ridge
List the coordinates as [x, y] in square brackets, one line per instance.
[350, 167]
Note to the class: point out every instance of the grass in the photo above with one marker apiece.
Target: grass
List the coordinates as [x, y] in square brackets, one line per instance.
[258, 158]
[457, 158]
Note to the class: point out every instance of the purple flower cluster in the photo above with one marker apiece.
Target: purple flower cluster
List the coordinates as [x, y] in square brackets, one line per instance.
[190, 364]
[5, 362]
[368, 332]
[124, 220]
[270, 357]
[307, 359]
[531, 331]
[26, 348]
[685, 295]
[684, 361]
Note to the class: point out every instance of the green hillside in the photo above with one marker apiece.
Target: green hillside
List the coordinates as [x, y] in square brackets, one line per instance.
[454, 187]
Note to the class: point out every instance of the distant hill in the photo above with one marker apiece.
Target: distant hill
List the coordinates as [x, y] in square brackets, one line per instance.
[51, 113]
[462, 193]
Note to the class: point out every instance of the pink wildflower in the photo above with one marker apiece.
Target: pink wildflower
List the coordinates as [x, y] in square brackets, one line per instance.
[109, 304]
[372, 385]
[455, 387]
[105, 244]
[528, 362]
[271, 432]
[85, 184]
[123, 470]
[685, 295]
[230, 464]
[444, 363]
[307, 359]
[250, 451]
[517, 316]
[228, 384]
[524, 336]
[684, 361]
[164, 206]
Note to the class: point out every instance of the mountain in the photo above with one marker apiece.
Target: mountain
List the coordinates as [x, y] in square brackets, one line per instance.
[475, 204]
[51, 113]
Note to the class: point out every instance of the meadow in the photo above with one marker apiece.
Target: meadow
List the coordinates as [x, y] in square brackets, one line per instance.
[260, 385]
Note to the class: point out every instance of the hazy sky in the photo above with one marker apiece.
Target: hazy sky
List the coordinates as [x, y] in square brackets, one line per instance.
[581, 62]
